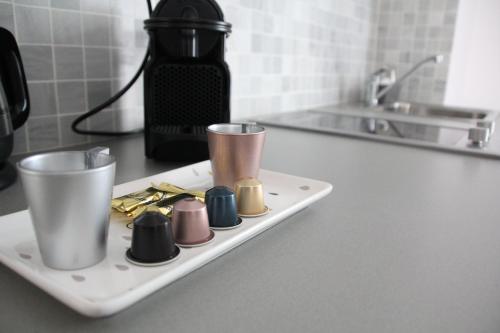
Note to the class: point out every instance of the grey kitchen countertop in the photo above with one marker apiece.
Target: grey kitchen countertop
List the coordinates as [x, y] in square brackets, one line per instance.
[409, 241]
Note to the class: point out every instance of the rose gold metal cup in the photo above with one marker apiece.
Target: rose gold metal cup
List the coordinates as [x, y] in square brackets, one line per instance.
[190, 223]
[235, 152]
[250, 198]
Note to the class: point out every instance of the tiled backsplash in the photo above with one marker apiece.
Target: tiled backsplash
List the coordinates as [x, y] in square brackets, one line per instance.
[282, 56]
[76, 54]
[407, 32]
[302, 53]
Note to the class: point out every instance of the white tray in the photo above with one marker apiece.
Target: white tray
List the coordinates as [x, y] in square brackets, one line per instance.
[115, 284]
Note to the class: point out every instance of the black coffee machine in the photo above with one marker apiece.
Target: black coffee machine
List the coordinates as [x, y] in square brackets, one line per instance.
[186, 80]
[14, 102]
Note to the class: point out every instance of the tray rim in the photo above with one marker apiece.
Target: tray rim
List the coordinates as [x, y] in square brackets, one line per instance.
[119, 303]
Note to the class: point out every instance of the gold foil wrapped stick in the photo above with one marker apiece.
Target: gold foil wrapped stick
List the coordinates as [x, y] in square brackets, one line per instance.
[130, 204]
[131, 201]
[163, 206]
[166, 187]
[117, 203]
[158, 198]
[167, 210]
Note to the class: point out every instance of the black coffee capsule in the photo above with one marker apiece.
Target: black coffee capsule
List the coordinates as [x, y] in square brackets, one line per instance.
[153, 243]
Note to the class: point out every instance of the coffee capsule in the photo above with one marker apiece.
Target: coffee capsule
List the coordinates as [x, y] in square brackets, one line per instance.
[190, 223]
[250, 198]
[221, 207]
[153, 241]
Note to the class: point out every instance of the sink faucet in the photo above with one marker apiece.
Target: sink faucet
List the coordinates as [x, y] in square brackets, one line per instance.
[373, 93]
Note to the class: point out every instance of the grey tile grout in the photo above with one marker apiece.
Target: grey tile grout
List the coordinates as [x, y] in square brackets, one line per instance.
[135, 17]
[86, 123]
[26, 131]
[45, 116]
[73, 80]
[54, 71]
[67, 10]
[56, 88]
[48, 149]
[111, 65]
[77, 45]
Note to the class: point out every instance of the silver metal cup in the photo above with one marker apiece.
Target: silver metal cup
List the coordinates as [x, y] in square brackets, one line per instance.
[69, 197]
[235, 152]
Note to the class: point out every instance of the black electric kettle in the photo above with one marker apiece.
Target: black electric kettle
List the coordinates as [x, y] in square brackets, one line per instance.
[14, 102]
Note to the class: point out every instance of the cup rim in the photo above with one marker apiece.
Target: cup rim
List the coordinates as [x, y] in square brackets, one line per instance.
[214, 129]
[21, 165]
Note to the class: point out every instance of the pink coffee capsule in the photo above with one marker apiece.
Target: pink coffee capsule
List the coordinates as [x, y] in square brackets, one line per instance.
[190, 223]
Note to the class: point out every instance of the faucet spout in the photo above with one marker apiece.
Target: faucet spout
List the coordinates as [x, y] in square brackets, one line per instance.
[438, 58]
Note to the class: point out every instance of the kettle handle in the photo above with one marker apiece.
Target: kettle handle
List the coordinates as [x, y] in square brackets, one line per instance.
[13, 79]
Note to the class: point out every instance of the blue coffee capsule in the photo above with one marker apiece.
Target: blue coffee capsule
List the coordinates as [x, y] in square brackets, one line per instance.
[221, 207]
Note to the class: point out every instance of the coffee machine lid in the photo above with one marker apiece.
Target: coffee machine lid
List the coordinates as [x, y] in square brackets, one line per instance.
[203, 9]
[188, 14]
[187, 28]
[183, 23]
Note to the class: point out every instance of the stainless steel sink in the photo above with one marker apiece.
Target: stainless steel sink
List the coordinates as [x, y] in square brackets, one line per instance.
[414, 124]
[439, 111]
[369, 126]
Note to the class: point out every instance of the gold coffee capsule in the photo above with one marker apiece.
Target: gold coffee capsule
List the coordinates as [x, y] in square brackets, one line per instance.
[250, 198]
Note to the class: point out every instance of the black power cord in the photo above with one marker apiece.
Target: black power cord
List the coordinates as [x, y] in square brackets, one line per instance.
[113, 99]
